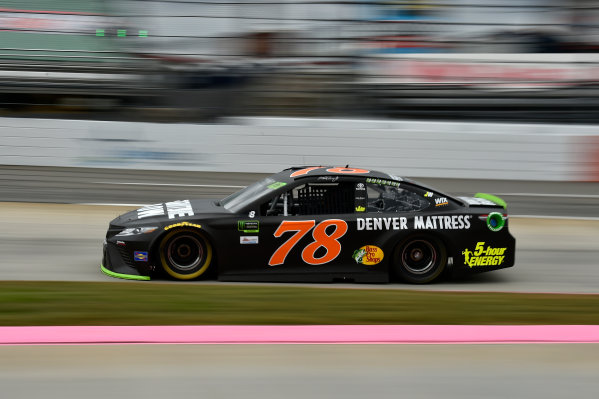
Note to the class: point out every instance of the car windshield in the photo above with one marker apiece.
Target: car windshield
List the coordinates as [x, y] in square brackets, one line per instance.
[241, 198]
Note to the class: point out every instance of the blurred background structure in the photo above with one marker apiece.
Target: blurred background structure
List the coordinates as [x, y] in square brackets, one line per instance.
[198, 61]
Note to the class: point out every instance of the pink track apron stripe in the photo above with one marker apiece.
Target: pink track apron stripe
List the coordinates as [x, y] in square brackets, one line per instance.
[346, 334]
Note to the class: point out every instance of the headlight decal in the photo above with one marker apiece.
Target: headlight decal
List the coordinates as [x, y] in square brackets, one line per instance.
[132, 231]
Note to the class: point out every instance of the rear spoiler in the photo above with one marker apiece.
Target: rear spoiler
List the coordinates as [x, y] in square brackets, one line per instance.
[484, 200]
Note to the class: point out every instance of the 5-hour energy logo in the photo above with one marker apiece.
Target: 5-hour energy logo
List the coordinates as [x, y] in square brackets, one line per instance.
[482, 256]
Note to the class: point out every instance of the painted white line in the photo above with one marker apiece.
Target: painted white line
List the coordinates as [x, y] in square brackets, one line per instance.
[549, 195]
[300, 334]
[167, 184]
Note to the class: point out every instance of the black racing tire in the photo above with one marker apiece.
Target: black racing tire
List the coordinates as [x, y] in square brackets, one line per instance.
[419, 260]
[185, 254]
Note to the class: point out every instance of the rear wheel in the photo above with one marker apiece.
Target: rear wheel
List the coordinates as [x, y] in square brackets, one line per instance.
[185, 254]
[420, 260]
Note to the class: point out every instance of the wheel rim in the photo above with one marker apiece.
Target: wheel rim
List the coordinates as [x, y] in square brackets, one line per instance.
[419, 257]
[185, 252]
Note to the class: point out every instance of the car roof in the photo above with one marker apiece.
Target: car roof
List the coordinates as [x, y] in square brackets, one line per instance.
[299, 172]
[296, 173]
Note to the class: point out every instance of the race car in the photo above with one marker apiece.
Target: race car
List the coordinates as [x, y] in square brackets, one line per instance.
[314, 224]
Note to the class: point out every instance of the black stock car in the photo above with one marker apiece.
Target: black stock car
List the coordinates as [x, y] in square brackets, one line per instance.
[313, 224]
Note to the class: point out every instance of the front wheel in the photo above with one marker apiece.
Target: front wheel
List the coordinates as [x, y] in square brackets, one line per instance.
[420, 260]
[185, 254]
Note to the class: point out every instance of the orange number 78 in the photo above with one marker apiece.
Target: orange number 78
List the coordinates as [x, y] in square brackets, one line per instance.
[321, 239]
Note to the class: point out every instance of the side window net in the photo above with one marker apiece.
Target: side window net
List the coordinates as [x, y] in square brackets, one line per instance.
[313, 199]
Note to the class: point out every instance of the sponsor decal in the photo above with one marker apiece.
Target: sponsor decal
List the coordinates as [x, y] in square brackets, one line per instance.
[495, 221]
[372, 224]
[453, 222]
[248, 226]
[482, 256]
[368, 255]
[182, 224]
[178, 209]
[173, 209]
[383, 182]
[428, 194]
[276, 185]
[441, 201]
[150, 210]
[252, 214]
[331, 179]
[248, 240]
[361, 202]
[140, 256]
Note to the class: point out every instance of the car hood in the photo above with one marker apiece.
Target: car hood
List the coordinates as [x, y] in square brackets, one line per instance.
[169, 212]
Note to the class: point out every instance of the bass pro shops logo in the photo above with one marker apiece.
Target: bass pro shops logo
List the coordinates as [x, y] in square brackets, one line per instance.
[368, 255]
[482, 256]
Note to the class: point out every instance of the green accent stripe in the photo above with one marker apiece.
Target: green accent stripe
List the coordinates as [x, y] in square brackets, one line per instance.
[492, 198]
[125, 276]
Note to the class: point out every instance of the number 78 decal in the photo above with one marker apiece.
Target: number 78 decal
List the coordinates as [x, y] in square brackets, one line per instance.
[321, 239]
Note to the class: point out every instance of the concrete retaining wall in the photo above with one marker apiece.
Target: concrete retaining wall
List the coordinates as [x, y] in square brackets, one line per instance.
[407, 148]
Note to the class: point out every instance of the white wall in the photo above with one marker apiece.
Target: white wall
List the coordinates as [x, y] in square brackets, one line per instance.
[407, 148]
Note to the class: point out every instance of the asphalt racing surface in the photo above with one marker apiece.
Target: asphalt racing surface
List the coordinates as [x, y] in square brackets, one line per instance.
[49, 235]
[300, 371]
